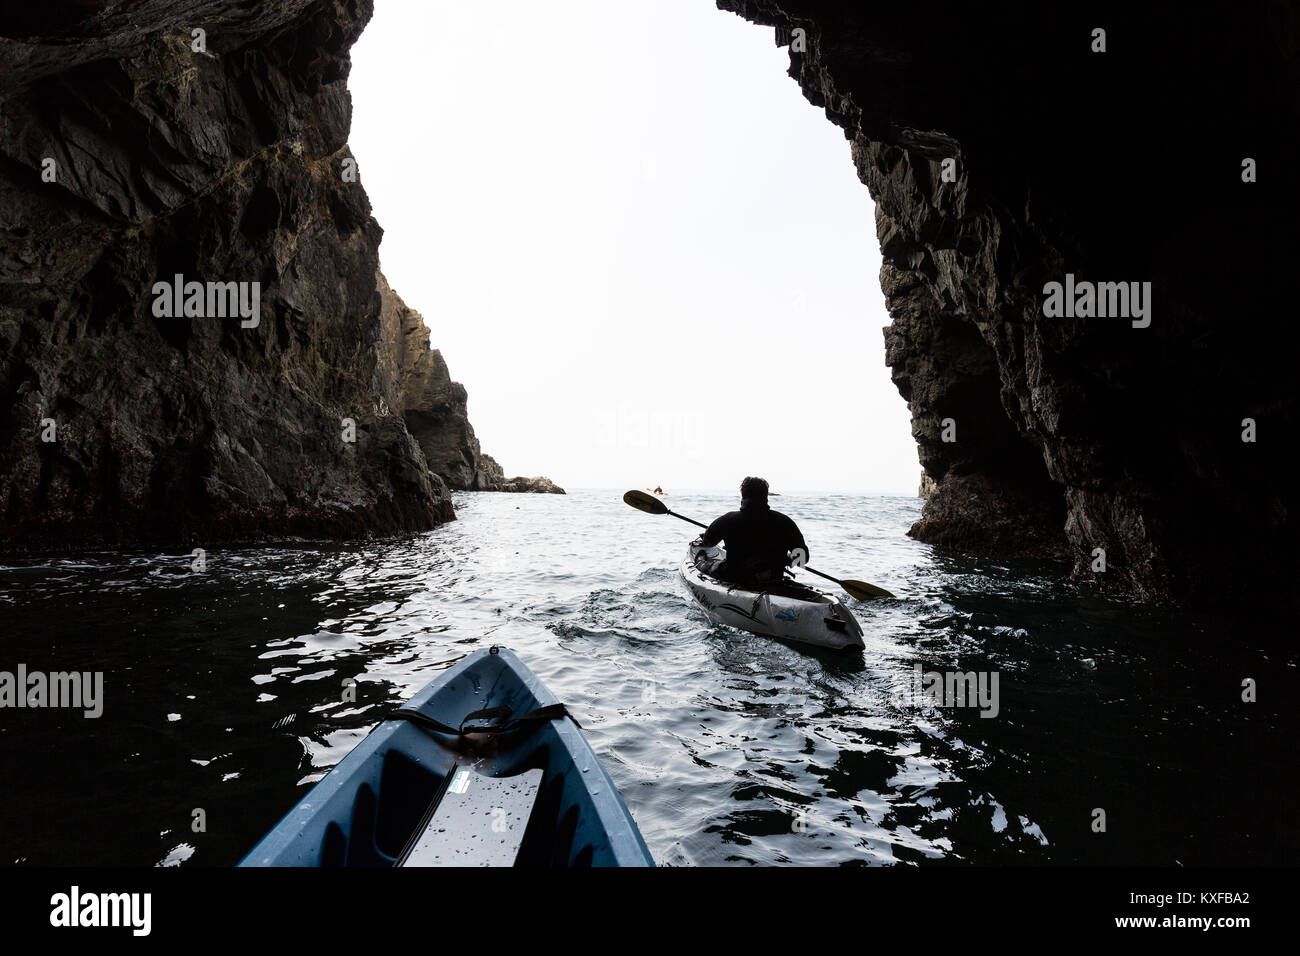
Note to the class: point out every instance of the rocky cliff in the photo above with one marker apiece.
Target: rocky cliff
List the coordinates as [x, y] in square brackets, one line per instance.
[539, 486]
[926, 488]
[434, 407]
[195, 340]
[1012, 146]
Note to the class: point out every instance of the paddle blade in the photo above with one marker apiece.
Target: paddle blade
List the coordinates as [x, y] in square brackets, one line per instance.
[644, 502]
[864, 591]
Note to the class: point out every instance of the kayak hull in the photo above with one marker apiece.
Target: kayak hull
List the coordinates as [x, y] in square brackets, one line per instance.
[791, 612]
[372, 805]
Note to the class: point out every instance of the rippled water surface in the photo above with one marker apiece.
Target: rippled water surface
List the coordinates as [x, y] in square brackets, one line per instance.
[224, 695]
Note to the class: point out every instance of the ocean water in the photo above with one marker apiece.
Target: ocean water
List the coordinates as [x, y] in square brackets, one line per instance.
[223, 695]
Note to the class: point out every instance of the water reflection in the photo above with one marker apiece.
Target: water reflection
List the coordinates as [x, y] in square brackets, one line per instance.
[228, 691]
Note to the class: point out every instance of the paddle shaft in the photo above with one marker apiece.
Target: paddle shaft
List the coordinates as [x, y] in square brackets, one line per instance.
[698, 524]
[826, 576]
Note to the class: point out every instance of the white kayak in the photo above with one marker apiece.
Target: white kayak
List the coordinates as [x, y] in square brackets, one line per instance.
[788, 610]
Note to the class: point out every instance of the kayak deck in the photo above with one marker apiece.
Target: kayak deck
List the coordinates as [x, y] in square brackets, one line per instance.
[411, 795]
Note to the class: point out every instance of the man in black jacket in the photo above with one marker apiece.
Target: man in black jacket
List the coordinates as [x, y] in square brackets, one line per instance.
[759, 541]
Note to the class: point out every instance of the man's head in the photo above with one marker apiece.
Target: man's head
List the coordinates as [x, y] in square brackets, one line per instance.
[755, 490]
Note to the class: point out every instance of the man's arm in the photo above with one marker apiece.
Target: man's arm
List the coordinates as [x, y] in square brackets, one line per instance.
[795, 539]
[714, 533]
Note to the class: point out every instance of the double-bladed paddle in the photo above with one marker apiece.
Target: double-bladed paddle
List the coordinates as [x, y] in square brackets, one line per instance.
[654, 506]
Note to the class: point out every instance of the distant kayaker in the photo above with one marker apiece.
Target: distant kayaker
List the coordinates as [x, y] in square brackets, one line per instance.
[761, 543]
[658, 490]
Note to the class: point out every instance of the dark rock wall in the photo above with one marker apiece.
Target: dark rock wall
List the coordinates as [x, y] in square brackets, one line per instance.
[1077, 434]
[224, 165]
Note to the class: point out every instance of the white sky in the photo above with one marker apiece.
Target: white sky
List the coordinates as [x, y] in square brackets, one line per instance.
[644, 253]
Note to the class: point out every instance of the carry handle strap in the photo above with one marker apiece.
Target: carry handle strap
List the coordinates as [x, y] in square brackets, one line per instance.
[502, 711]
[507, 724]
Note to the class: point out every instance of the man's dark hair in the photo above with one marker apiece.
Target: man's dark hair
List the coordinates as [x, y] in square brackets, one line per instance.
[753, 489]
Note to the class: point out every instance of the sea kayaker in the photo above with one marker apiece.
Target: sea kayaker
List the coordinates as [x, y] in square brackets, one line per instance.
[761, 543]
